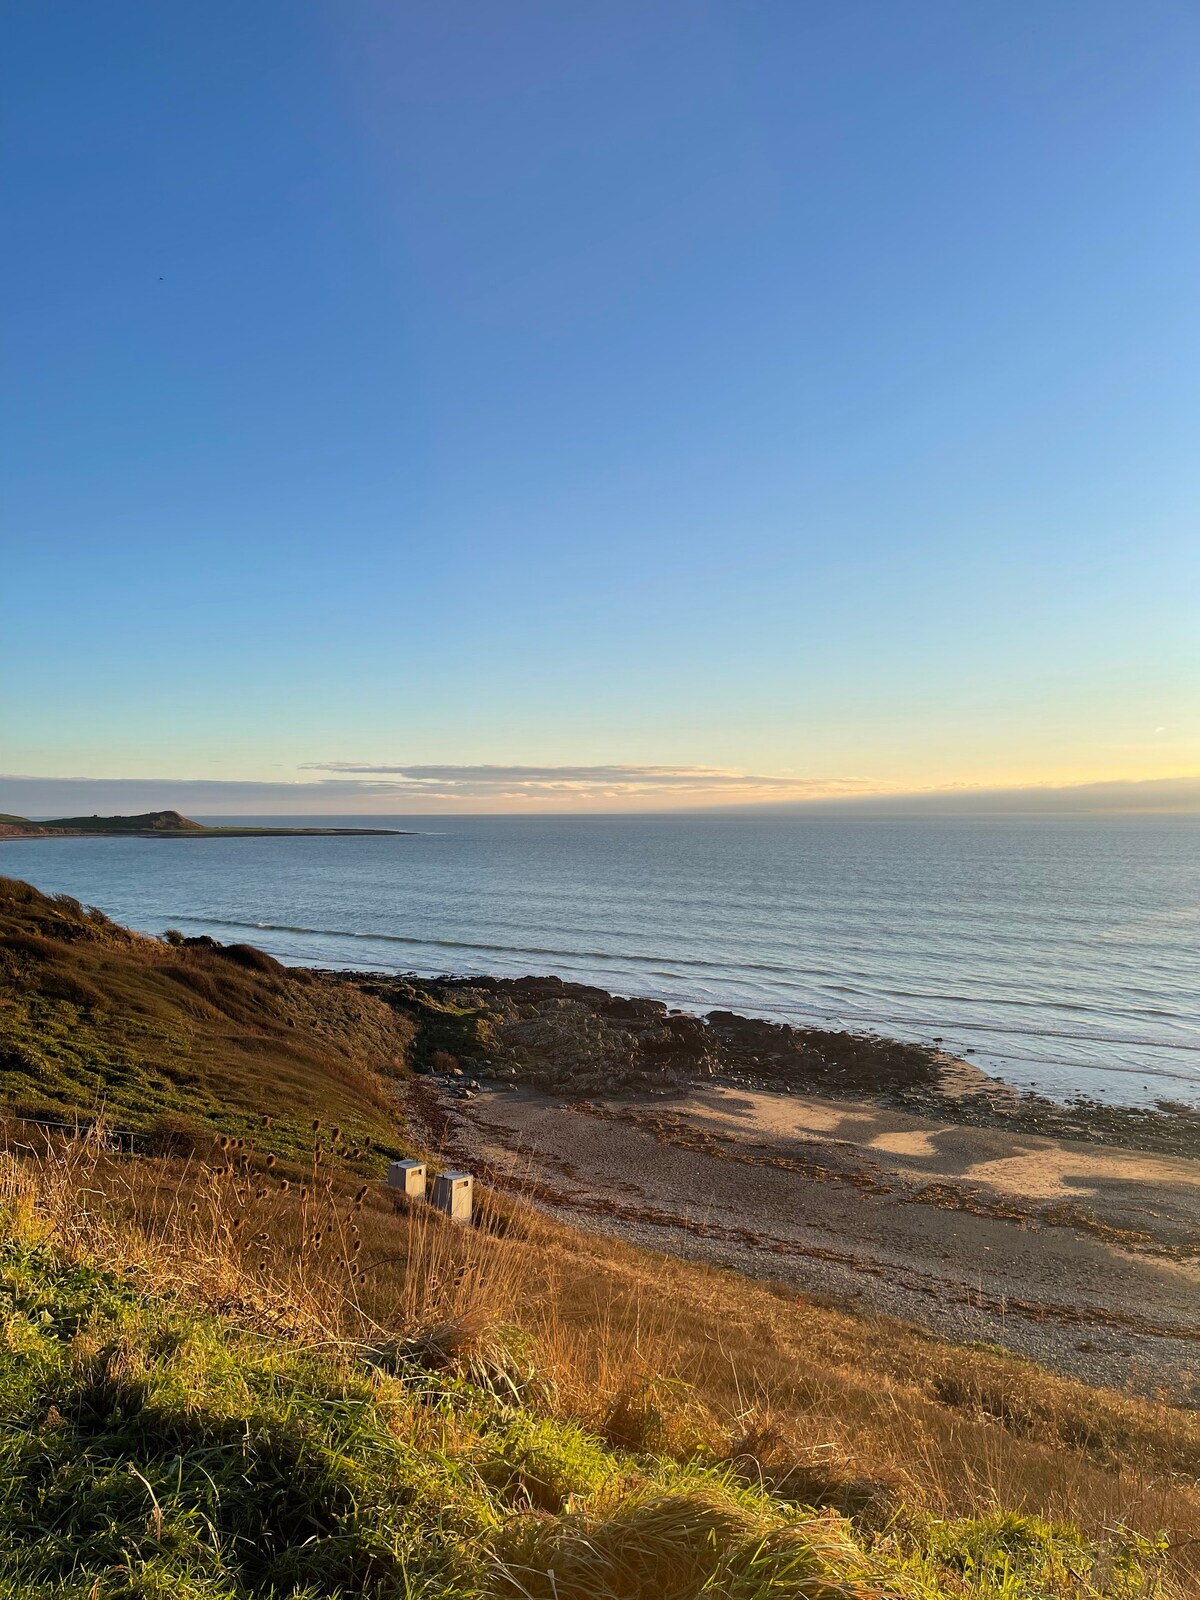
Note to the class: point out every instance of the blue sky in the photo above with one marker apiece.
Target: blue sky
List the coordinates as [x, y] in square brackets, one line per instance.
[757, 399]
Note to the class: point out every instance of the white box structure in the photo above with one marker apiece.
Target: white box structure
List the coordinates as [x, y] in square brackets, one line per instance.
[408, 1177]
[452, 1195]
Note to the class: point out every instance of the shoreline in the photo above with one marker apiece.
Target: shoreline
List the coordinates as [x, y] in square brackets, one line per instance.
[1070, 1004]
[891, 1179]
[8, 836]
[550, 1033]
[1086, 1260]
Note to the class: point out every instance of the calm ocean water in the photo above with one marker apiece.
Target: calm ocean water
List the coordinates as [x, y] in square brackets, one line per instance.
[1062, 953]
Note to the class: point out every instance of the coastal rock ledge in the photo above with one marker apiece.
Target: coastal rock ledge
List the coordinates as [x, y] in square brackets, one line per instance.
[561, 1036]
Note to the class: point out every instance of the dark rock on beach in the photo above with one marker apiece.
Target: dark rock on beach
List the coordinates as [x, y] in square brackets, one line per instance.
[576, 1039]
[557, 1035]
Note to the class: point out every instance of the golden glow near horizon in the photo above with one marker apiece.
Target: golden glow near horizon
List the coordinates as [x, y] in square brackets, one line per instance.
[355, 787]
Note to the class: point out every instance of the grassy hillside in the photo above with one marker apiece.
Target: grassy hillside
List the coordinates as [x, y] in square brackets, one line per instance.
[182, 1040]
[191, 1410]
[145, 822]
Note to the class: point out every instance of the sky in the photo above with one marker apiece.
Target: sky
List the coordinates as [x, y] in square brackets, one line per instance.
[592, 405]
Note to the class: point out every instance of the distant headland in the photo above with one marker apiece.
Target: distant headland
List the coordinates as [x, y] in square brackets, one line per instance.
[164, 825]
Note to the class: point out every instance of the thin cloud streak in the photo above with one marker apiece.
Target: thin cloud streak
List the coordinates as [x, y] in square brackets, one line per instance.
[487, 780]
[639, 789]
[416, 790]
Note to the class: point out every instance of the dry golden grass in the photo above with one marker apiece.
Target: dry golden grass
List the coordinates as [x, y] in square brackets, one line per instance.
[859, 1413]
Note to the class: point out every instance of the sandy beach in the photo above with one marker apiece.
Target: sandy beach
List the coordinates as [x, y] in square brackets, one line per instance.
[1084, 1257]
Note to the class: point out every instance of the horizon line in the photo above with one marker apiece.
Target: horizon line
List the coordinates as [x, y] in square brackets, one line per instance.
[42, 798]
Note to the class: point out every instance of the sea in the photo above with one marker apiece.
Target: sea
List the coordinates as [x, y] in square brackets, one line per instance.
[1061, 954]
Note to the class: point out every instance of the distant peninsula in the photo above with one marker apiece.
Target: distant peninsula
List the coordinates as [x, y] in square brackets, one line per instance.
[165, 825]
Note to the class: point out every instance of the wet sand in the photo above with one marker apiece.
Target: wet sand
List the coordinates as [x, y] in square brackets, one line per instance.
[1084, 1257]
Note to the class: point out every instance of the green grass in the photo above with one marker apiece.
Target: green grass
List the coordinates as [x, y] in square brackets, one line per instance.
[162, 1038]
[148, 1450]
[146, 822]
[443, 1026]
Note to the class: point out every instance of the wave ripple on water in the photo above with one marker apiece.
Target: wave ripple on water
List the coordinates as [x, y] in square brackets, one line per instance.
[1061, 953]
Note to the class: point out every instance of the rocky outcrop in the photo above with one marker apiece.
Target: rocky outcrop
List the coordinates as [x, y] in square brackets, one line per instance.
[575, 1039]
[563, 1036]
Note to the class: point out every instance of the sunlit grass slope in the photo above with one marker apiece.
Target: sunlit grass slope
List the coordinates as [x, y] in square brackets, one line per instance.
[215, 1387]
[182, 1040]
[156, 1445]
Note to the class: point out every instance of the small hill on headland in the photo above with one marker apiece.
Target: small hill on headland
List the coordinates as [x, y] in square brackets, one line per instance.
[162, 825]
[145, 822]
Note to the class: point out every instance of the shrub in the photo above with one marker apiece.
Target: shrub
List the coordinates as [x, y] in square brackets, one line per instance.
[174, 1133]
[254, 959]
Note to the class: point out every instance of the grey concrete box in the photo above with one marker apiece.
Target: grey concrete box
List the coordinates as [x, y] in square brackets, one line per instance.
[409, 1177]
[452, 1195]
